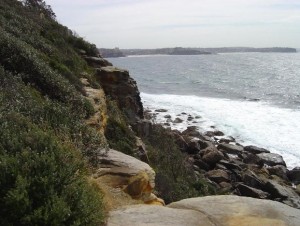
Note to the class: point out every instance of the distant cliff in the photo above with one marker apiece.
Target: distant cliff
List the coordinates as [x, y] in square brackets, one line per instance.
[116, 52]
[199, 51]
[250, 49]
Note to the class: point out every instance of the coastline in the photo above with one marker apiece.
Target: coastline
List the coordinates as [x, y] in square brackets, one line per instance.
[249, 122]
[232, 168]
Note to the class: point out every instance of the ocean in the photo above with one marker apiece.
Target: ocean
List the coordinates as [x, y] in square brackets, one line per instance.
[253, 97]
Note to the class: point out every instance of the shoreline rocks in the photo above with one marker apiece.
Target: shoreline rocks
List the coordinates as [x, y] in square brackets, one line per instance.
[241, 170]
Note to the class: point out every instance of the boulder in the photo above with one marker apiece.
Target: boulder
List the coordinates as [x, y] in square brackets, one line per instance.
[226, 140]
[118, 84]
[225, 185]
[230, 165]
[224, 210]
[218, 176]
[113, 162]
[279, 191]
[221, 167]
[190, 118]
[191, 131]
[271, 159]
[167, 116]
[202, 165]
[231, 149]
[297, 189]
[209, 133]
[279, 170]
[138, 185]
[178, 120]
[245, 190]
[251, 179]
[212, 156]
[139, 215]
[218, 133]
[250, 158]
[255, 150]
[230, 210]
[283, 193]
[294, 175]
[161, 110]
[135, 177]
[193, 146]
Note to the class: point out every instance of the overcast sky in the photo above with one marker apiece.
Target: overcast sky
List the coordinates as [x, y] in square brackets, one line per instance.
[185, 23]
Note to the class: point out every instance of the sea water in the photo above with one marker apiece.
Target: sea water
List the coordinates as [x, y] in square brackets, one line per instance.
[254, 97]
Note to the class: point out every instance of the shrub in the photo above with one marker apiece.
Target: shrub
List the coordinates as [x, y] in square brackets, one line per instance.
[42, 182]
[118, 134]
[175, 178]
[44, 143]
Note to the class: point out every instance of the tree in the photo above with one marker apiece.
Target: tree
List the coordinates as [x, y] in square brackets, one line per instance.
[41, 6]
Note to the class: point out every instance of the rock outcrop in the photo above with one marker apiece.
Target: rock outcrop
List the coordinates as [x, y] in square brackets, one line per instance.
[97, 62]
[119, 86]
[129, 174]
[98, 100]
[224, 210]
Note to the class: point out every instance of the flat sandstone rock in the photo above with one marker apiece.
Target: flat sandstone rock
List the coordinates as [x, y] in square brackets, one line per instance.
[224, 210]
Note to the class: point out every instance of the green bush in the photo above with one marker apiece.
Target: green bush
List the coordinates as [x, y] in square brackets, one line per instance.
[42, 182]
[65, 121]
[175, 178]
[45, 145]
[120, 137]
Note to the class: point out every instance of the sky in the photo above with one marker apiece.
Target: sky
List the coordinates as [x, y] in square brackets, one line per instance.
[182, 23]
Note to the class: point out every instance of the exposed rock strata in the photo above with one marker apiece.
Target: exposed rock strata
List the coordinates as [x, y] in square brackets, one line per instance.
[119, 86]
[133, 176]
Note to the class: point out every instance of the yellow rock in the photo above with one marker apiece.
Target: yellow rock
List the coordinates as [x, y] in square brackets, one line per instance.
[157, 201]
[138, 185]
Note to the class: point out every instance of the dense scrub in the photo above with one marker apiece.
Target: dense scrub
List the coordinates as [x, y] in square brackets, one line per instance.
[120, 137]
[42, 181]
[175, 178]
[45, 146]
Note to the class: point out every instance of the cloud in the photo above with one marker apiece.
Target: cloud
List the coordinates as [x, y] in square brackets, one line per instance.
[142, 23]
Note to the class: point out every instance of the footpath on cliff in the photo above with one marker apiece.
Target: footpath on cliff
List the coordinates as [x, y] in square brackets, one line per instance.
[259, 189]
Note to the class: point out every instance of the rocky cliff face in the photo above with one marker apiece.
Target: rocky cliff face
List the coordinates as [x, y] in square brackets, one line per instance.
[244, 171]
[119, 86]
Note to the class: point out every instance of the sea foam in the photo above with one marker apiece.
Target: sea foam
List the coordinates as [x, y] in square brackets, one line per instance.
[251, 123]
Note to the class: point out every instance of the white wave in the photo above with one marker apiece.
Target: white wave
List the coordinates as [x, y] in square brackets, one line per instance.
[256, 123]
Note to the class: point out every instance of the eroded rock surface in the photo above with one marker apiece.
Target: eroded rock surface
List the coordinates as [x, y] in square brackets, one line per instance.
[122, 88]
[133, 176]
[224, 210]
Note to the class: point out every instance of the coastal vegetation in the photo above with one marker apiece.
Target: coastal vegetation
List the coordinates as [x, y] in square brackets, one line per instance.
[45, 146]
